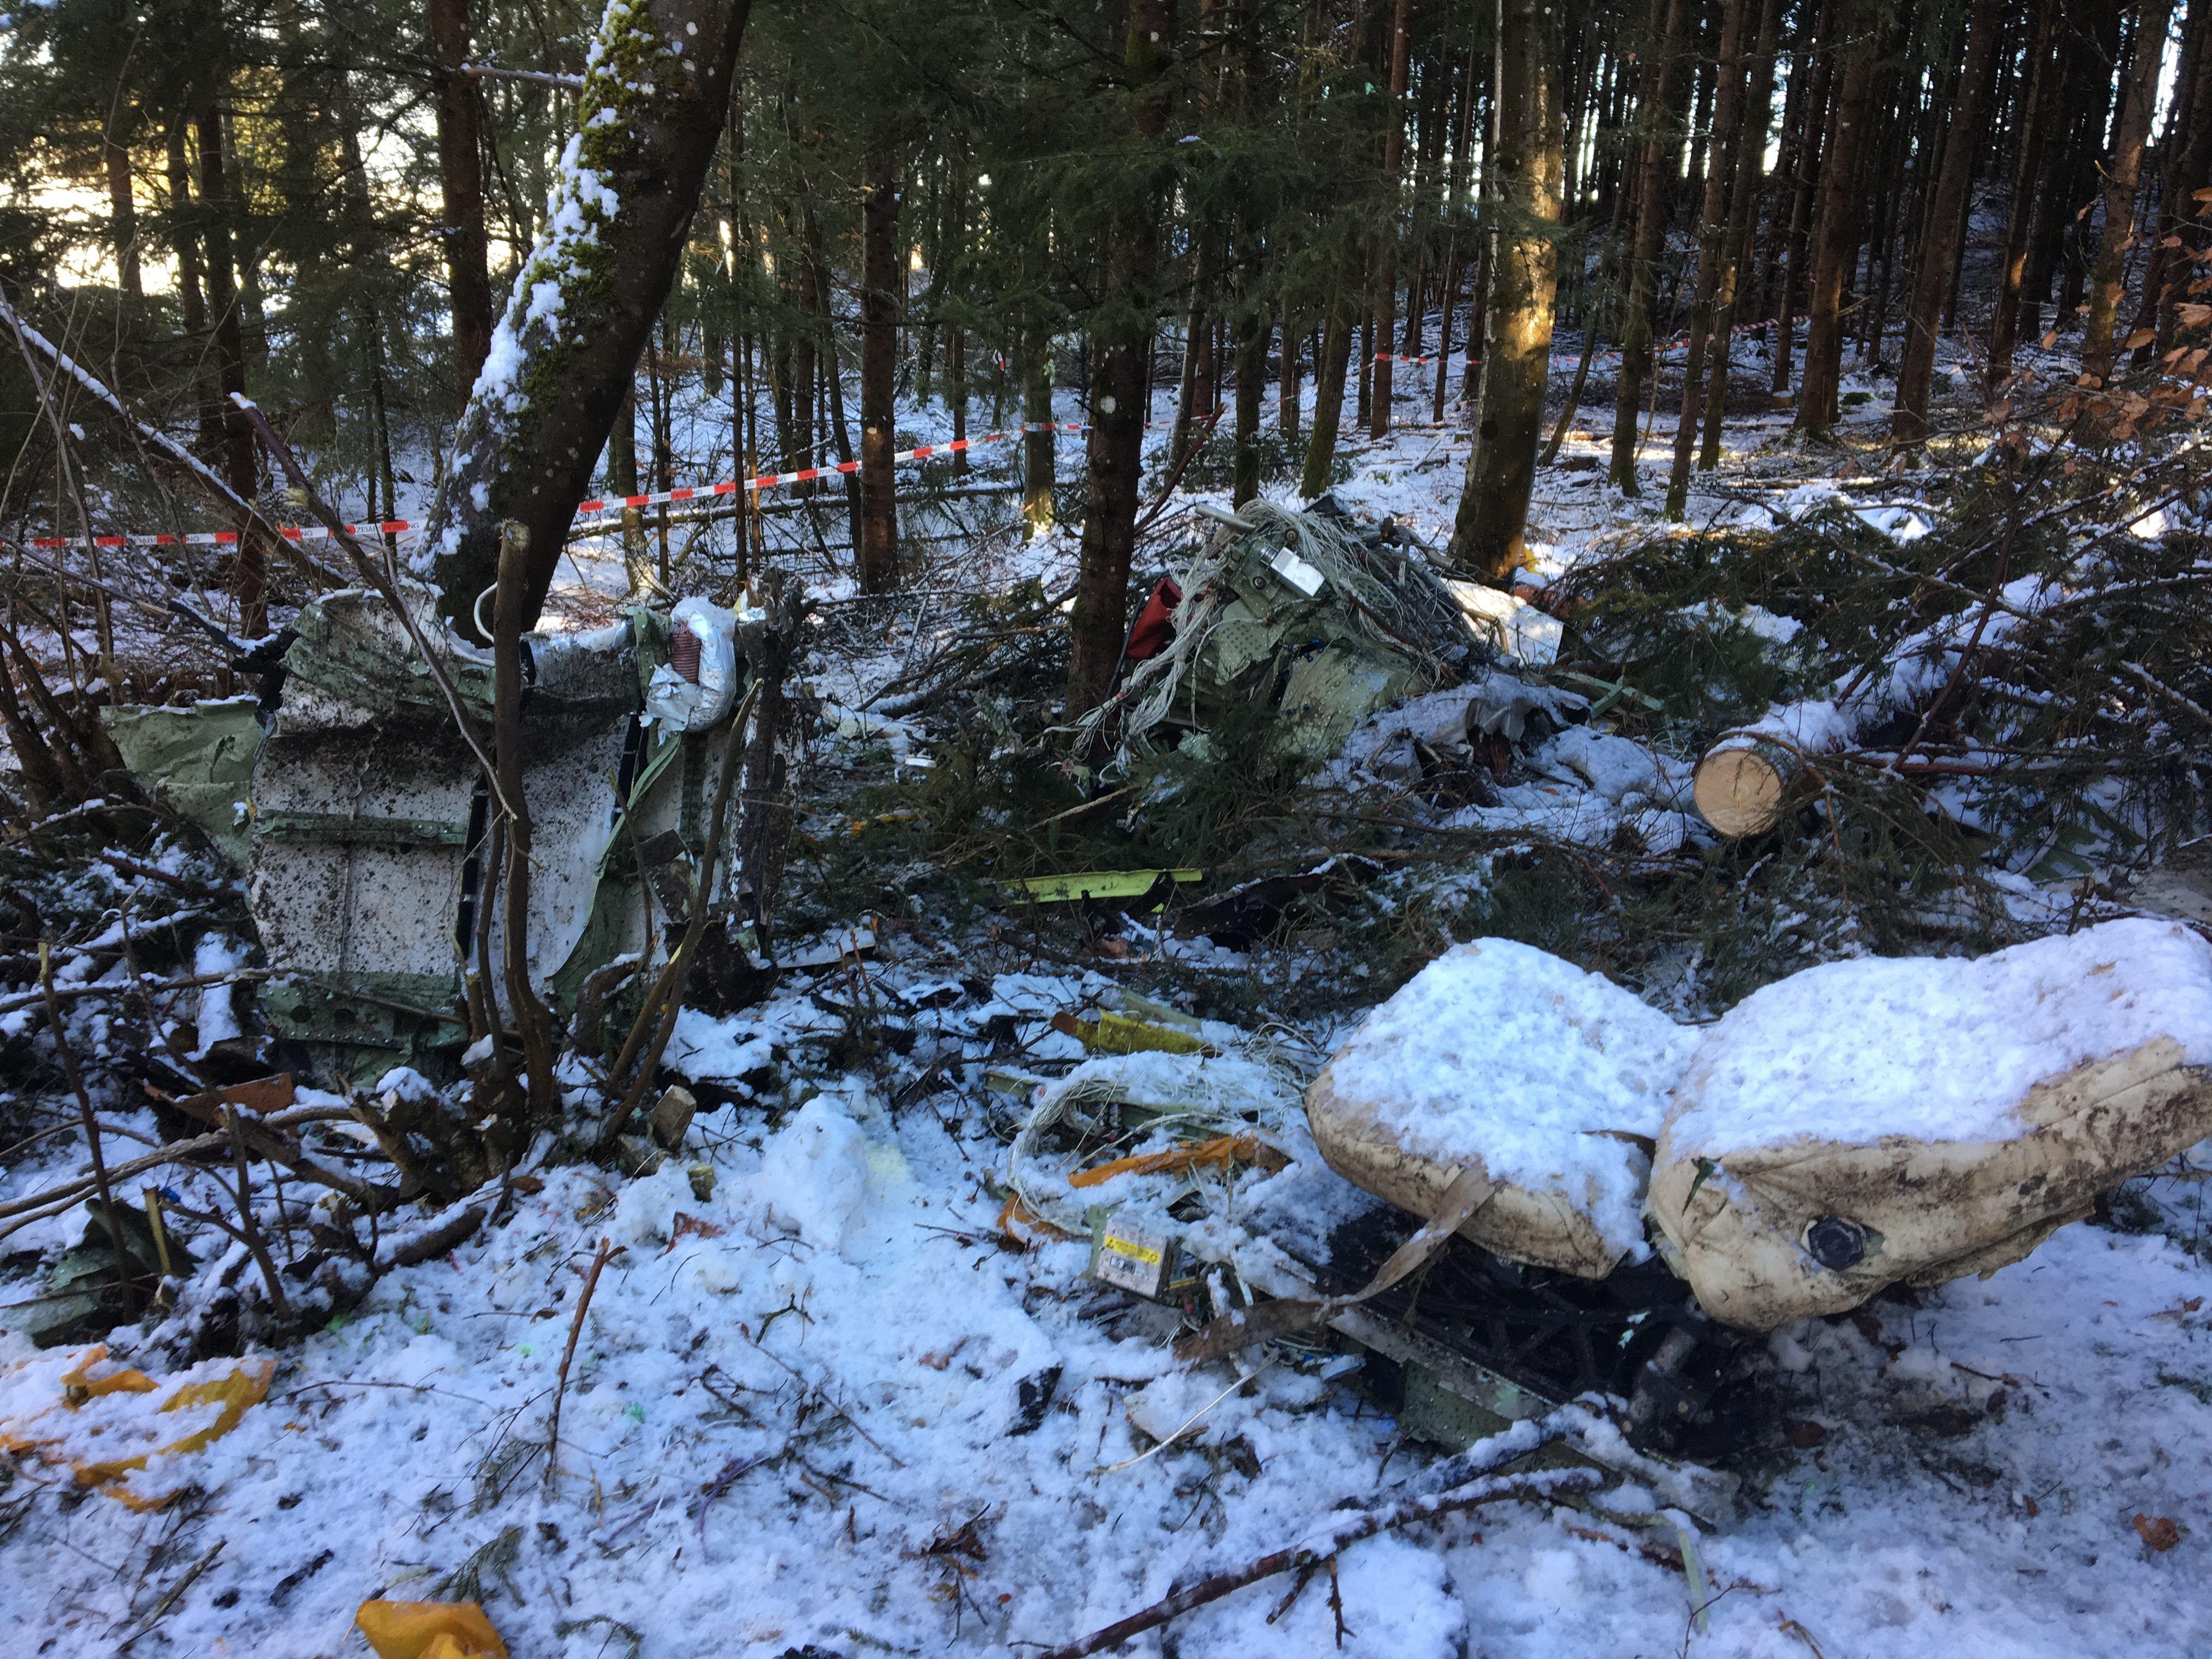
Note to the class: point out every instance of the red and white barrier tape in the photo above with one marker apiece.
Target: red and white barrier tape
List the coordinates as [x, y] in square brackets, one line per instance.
[609, 504]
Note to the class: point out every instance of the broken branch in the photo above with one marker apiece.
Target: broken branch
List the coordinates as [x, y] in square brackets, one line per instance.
[1325, 1543]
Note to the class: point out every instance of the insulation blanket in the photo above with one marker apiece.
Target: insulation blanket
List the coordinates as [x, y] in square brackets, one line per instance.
[1857, 1125]
[1553, 1080]
[1867, 1123]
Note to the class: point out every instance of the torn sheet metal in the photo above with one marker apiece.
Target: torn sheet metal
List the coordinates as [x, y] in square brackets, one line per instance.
[364, 826]
[198, 762]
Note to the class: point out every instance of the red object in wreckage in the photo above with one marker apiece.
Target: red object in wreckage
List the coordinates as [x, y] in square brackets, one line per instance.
[1155, 624]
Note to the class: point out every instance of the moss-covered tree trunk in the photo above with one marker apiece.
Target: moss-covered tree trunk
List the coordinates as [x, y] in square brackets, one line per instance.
[656, 93]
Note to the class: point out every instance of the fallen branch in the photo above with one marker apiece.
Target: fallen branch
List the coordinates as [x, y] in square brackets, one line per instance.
[1326, 1542]
[448, 1231]
[49, 1200]
[148, 986]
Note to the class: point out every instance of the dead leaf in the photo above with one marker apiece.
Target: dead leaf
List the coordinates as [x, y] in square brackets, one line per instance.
[2161, 1534]
[1804, 1433]
[2141, 337]
[691, 1224]
[262, 1094]
[943, 1357]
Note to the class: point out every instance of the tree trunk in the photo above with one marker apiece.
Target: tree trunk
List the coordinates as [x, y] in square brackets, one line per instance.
[621, 211]
[2122, 174]
[1330, 372]
[1286, 412]
[2037, 112]
[250, 573]
[1743, 204]
[1124, 339]
[1947, 224]
[2186, 148]
[191, 304]
[1386, 243]
[1808, 133]
[123, 221]
[1251, 382]
[1833, 238]
[460, 174]
[1730, 72]
[1661, 142]
[1037, 463]
[2186, 212]
[1527, 146]
[1197, 328]
[956, 393]
[880, 287]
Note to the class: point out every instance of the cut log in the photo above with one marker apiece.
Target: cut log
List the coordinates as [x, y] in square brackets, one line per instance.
[1741, 787]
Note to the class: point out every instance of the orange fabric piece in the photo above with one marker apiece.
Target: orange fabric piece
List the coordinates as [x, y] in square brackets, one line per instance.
[429, 1629]
[1222, 1150]
[1025, 1225]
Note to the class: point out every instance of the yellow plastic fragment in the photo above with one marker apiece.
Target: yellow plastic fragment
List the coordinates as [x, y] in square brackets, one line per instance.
[429, 1629]
[1100, 884]
[79, 1385]
[49, 1434]
[1118, 1034]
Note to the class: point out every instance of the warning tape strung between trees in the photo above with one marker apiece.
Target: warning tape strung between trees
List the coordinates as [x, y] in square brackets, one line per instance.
[730, 487]
[608, 504]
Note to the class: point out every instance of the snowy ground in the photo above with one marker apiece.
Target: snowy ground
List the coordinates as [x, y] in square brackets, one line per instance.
[820, 1404]
[796, 1416]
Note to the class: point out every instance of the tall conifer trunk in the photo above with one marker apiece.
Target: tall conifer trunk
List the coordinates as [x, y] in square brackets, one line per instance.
[1728, 78]
[1655, 168]
[2123, 171]
[1528, 148]
[123, 219]
[191, 301]
[1386, 244]
[1947, 225]
[1743, 201]
[250, 572]
[881, 286]
[606, 255]
[460, 174]
[2038, 111]
[1833, 239]
[1331, 370]
[1117, 412]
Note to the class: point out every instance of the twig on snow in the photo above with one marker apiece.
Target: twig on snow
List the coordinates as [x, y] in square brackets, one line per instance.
[560, 1383]
[1325, 1543]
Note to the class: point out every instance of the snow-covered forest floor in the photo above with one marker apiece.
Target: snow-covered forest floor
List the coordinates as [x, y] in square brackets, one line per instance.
[822, 1402]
